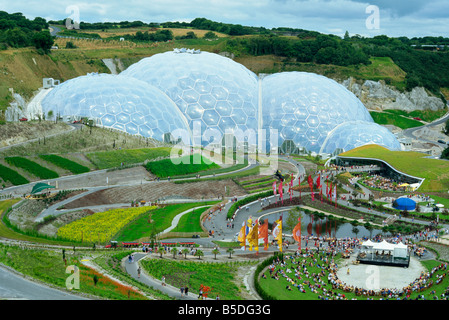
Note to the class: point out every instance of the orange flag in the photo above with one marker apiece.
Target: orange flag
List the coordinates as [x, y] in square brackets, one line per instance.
[297, 233]
[263, 233]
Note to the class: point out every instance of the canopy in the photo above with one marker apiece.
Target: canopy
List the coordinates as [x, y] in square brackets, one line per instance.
[368, 243]
[40, 186]
[384, 245]
[404, 185]
[404, 204]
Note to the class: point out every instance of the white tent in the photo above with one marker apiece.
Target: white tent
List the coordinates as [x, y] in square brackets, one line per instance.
[400, 250]
[368, 243]
[384, 246]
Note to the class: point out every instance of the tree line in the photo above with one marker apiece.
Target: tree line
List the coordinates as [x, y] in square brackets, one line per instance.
[16, 31]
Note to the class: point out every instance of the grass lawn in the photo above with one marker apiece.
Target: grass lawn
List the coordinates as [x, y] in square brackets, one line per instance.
[394, 119]
[180, 166]
[64, 163]
[161, 220]
[114, 159]
[277, 287]
[190, 222]
[49, 267]
[435, 171]
[219, 277]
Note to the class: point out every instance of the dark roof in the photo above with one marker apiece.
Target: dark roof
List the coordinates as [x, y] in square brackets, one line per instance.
[40, 186]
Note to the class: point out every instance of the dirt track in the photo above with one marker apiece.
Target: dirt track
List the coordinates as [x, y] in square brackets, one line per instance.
[158, 191]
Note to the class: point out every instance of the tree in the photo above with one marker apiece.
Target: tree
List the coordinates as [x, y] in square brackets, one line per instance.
[95, 278]
[161, 250]
[346, 37]
[199, 254]
[210, 35]
[185, 251]
[43, 40]
[174, 251]
[230, 251]
[445, 154]
[215, 252]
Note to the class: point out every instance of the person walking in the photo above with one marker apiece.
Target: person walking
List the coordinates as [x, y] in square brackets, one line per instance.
[186, 290]
[138, 272]
[182, 291]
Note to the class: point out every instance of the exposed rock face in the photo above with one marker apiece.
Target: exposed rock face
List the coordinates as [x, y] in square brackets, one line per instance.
[376, 95]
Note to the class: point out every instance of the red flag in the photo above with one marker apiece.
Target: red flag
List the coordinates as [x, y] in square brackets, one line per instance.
[281, 193]
[310, 180]
[318, 182]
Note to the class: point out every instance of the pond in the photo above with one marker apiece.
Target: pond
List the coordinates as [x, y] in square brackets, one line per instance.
[313, 226]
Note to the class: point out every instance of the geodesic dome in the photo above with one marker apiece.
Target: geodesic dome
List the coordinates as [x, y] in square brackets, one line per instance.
[205, 95]
[305, 107]
[210, 90]
[353, 134]
[124, 103]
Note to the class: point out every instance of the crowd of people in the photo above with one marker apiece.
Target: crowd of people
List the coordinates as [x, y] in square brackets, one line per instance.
[383, 183]
[299, 270]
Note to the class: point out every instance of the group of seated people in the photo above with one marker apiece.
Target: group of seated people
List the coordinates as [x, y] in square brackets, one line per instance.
[299, 275]
[380, 182]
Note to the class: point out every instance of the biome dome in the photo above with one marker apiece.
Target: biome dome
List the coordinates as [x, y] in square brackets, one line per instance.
[353, 134]
[124, 103]
[210, 89]
[199, 91]
[305, 107]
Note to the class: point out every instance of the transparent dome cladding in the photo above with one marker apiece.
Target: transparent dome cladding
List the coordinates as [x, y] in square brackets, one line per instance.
[206, 91]
[124, 103]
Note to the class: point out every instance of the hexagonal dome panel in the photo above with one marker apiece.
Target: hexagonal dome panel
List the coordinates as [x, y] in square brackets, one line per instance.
[353, 134]
[313, 104]
[209, 80]
[123, 103]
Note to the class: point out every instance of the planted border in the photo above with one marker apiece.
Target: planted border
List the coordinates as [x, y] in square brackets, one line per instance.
[64, 163]
[32, 167]
[12, 176]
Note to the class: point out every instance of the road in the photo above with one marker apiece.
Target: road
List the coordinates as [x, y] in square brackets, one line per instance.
[14, 286]
[409, 133]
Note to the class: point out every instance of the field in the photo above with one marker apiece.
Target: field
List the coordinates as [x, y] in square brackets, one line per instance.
[64, 163]
[83, 140]
[12, 176]
[32, 167]
[101, 226]
[276, 286]
[115, 158]
[219, 277]
[48, 266]
[180, 166]
[161, 218]
[435, 172]
[395, 119]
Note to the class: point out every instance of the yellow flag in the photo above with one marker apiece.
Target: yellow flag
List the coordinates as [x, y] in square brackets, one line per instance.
[277, 232]
[253, 238]
[242, 235]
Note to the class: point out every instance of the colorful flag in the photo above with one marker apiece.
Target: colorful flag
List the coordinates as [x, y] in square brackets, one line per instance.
[335, 195]
[242, 235]
[281, 192]
[297, 233]
[263, 233]
[277, 232]
[253, 237]
[310, 180]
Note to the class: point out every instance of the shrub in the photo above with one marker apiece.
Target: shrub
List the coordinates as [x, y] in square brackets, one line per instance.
[32, 167]
[64, 163]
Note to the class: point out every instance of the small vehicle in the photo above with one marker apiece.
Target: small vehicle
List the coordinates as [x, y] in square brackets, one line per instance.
[23, 119]
[441, 141]
[416, 118]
